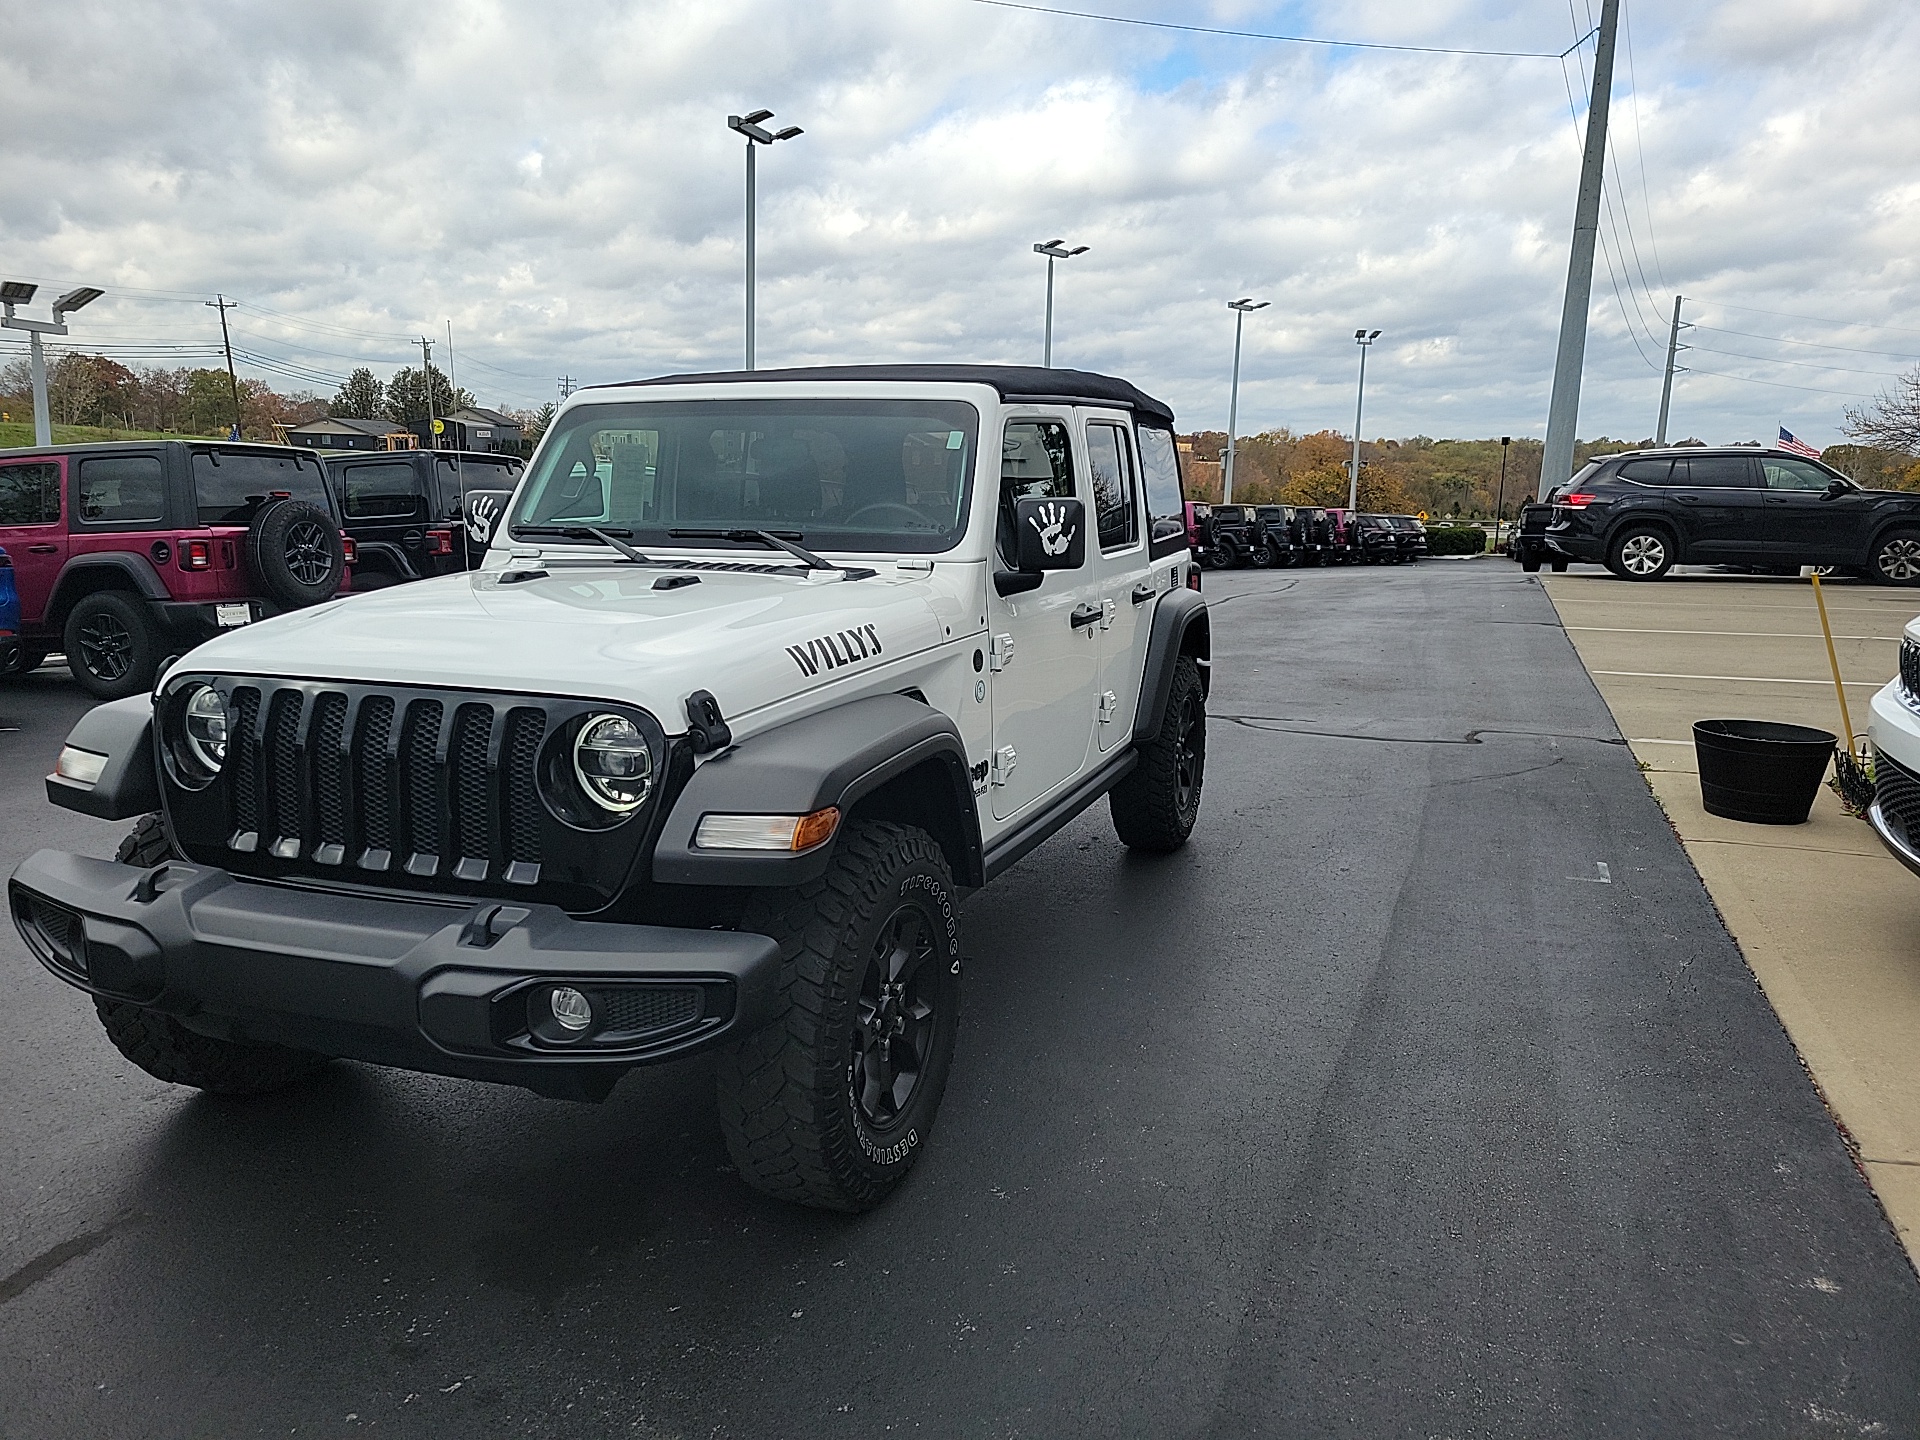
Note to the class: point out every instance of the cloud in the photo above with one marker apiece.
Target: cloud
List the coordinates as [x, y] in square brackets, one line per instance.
[560, 184]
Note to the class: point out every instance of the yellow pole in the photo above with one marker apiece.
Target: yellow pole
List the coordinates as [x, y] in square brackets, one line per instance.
[1833, 660]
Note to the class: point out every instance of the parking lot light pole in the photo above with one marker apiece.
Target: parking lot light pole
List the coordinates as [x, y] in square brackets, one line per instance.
[1362, 338]
[1054, 250]
[1500, 504]
[1240, 308]
[19, 292]
[756, 134]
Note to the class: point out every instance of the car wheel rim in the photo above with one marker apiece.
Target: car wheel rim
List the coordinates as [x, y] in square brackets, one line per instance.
[894, 1017]
[106, 648]
[1190, 754]
[309, 557]
[1643, 554]
[1900, 559]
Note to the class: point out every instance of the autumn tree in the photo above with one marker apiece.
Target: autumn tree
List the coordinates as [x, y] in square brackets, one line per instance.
[1892, 421]
[361, 398]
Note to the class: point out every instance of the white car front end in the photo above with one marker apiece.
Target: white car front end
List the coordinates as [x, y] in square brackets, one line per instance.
[1895, 731]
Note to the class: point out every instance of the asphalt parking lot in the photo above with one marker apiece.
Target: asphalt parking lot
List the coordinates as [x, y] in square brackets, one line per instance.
[1823, 914]
[1423, 1094]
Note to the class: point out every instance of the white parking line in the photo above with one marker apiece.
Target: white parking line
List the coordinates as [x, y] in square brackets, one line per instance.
[1746, 634]
[1733, 679]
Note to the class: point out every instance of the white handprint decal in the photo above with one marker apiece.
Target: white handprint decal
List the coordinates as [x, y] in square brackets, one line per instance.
[481, 514]
[1050, 520]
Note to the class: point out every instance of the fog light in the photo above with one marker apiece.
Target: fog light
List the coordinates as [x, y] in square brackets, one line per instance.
[571, 1010]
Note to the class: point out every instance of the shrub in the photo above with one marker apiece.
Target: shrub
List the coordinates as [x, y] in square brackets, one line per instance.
[1455, 540]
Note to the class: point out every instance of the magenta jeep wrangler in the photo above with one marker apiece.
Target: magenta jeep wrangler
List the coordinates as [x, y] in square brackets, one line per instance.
[127, 553]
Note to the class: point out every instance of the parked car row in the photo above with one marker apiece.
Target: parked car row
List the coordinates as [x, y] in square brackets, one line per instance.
[122, 554]
[1226, 536]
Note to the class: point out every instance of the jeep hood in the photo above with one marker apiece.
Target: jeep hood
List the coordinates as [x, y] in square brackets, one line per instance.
[598, 632]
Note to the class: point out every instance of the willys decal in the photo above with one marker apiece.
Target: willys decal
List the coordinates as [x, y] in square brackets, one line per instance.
[843, 647]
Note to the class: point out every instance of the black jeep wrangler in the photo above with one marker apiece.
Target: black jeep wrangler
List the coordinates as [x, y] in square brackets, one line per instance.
[416, 513]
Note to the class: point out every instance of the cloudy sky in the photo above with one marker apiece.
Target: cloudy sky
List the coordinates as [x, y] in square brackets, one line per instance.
[558, 182]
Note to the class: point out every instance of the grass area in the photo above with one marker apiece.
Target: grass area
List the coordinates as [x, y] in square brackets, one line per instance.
[18, 433]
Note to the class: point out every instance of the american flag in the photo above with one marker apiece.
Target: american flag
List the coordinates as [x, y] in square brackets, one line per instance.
[1794, 445]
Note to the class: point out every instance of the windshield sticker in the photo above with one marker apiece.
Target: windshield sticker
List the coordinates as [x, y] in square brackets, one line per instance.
[843, 647]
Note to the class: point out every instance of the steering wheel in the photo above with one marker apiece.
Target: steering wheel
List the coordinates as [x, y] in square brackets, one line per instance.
[918, 521]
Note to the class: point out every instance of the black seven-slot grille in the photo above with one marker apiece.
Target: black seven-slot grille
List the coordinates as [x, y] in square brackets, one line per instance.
[1897, 789]
[436, 790]
[1910, 669]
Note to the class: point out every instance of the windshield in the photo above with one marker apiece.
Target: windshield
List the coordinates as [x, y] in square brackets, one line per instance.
[850, 475]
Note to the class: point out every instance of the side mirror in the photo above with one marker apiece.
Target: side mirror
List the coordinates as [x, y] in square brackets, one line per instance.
[1051, 534]
[1836, 488]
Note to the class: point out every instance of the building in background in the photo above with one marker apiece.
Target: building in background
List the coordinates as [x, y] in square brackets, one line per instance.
[346, 433]
[474, 429]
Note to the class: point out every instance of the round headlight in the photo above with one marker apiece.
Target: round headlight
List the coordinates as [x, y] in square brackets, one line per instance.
[613, 763]
[206, 723]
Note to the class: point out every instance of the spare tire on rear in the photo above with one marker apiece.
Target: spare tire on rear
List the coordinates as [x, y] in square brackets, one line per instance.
[294, 551]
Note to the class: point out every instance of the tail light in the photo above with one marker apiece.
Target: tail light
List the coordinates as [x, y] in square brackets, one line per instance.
[1193, 577]
[196, 554]
[439, 542]
[348, 549]
[1578, 501]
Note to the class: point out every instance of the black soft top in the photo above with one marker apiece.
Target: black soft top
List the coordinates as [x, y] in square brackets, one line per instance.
[1015, 383]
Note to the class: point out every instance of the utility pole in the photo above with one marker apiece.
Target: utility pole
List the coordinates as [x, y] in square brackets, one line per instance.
[1563, 410]
[1240, 308]
[1500, 505]
[1364, 339]
[1666, 386]
[567, 386]
[426, 367]
[222, 304]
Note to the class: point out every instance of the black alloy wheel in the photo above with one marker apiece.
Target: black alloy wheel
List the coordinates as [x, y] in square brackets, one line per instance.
[1190, 752]
[106, 646]
[899, 1006]
[309, 556]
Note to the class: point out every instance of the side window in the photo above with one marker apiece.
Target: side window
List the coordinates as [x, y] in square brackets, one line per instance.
[1036, 463]
[1794, 475]
[121, 489]
[1719, 472]
[1160, 470]
[1648, 472]
[385, 491]
[1111, 460]
[30, 493]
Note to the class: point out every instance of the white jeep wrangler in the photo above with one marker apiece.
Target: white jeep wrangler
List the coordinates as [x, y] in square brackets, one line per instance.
[761, 671]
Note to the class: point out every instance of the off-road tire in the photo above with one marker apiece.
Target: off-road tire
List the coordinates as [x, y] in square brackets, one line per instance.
[1155, 806]
[1260, 557]
[1559, 567]
[111, 648]
[1641, 552]
[1531, 564]
[1896, 558]
[787, 1101]
[294, 550]
[166, 1049]
[1229, 552]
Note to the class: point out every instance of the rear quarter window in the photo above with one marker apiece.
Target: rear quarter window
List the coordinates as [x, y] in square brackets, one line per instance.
[122, 489]
[1160, 471]
[30, 492]
[229, 485]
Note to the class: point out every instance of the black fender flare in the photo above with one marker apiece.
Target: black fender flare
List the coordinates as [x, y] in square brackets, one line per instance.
[71, 583]
[129, 784]
[384, 555]
[899, 754]
[1181, 626]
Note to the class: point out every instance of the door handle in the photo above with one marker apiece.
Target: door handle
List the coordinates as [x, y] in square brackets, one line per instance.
[1688, 499]
[1142, 593]
[1083, 616]
[43, 549]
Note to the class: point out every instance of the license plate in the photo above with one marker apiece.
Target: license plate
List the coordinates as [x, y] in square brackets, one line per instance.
[225, 615]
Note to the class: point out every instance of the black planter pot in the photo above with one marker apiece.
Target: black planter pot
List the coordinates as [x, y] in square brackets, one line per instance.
[1760, 771]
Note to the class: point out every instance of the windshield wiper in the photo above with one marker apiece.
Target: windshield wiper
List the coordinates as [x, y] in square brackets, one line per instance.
[578, 532]
[774, 540]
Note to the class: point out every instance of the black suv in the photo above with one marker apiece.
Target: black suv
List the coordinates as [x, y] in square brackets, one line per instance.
[1643, 512]
[415, 513]
[1377, 542]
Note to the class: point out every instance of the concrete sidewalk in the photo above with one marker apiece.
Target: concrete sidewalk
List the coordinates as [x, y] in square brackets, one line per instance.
[1825, 917]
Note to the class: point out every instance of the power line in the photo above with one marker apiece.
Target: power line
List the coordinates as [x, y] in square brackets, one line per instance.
[1814, 344]
[1817, 319]
[1263, 35]
[1778, 384]
[1633, 78]
[1798, 364]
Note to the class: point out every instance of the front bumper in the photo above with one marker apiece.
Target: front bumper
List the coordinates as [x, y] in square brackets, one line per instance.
[441, 986]
[1893, 727]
